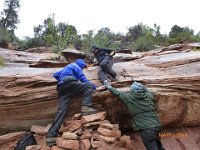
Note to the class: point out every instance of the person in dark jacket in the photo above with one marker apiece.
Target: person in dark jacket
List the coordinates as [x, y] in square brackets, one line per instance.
[139, 102]
[104, 57]
[71, 82]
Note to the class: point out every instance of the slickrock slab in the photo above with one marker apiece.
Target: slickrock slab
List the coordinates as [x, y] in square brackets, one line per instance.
[28, 95]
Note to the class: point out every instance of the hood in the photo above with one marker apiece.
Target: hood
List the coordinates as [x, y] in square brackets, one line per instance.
[81, 63]
[140, 92]
[137, 88]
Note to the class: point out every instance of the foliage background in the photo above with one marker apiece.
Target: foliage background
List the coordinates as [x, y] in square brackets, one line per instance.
[59, 36]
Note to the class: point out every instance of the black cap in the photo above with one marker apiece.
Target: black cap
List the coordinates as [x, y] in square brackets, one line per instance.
[95, 47]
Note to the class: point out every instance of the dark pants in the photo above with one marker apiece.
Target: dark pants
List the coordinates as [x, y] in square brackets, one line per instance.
[65, 92]
[106, 68]
[151, 139]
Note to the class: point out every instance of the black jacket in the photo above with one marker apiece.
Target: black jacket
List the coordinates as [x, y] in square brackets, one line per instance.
[102, 53]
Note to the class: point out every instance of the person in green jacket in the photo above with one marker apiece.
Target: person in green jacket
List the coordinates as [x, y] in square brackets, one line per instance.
[141, 107]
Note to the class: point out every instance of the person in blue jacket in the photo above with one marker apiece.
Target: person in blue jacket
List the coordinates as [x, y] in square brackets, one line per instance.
[71, 82]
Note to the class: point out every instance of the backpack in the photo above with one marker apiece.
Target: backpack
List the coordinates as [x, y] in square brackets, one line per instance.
[26, 140]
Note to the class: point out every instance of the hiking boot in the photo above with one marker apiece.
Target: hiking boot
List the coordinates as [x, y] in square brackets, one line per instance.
[51, 141]
[87, 110]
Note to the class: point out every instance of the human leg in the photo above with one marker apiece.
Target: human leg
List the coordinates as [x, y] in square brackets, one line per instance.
[86, 89]
[106, 66]
[150, 138]
[59, 117]
[64, 94]
[102, 74]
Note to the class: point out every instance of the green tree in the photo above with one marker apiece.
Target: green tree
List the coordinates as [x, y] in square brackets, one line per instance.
[56, 36]
[144, 43]
[198, 34]
[28, 42]
[87, 40]
[62, 29]
[70, 35]
[9, 17]
[160, 39]
[135, 32]
[104, 38]
[141, 37]
[38, 31]
[175, 30]
[181, 34]
[5, 36]
[50, 31]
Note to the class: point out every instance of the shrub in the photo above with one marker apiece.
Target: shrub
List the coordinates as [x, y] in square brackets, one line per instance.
[2, 63]
[144, 43]
[183, 37]
[5, 36]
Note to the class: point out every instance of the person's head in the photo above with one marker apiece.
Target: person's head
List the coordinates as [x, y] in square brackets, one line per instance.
[81, 63]
[94, 48]
[137, 87]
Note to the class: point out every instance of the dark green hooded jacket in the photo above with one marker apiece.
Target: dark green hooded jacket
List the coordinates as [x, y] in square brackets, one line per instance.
[140, 106]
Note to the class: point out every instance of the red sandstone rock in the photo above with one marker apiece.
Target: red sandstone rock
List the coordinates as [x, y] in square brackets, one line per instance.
[85, 144]
[94, 117]
[69, 136]
[10, 136]
[40, 129]
[33, 147]
[68, 144]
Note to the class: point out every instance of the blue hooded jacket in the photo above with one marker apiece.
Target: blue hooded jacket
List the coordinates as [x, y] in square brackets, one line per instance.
[74, 70]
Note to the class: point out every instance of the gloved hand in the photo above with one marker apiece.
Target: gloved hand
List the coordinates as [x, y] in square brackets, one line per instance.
[107, 84]
[112, 53]
[94, 86]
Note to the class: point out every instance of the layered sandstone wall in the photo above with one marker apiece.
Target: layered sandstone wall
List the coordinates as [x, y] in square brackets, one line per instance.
[28, 95]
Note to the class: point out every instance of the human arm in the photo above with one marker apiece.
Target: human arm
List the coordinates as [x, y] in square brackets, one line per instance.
[121, 95]
[107, 50]
[57, 75]
[81, 76]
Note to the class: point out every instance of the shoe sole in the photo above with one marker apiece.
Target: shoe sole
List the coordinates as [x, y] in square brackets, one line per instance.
[51, 141]
[50, 144]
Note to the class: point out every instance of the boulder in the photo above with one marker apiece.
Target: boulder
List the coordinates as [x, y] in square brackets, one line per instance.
[71, 54]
